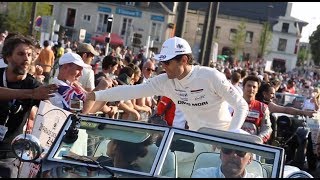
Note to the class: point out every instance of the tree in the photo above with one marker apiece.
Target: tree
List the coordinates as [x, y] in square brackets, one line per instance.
[239, 39]
[265, 38]
[314, 41]
[18, 18]
[302, 56]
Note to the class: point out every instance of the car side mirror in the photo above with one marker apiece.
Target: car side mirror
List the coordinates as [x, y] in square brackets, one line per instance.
[26, 147]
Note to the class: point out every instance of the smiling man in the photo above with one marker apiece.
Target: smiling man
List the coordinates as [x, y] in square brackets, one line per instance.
[201, 93]
[258, 119]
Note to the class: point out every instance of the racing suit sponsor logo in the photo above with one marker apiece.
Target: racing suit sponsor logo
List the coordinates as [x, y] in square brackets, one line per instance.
[193, 104]
[199, 98]
[253, 114]
[196, 91]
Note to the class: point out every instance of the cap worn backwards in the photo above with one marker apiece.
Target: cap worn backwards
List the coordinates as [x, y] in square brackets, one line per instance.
[173, 47]
[74, 58]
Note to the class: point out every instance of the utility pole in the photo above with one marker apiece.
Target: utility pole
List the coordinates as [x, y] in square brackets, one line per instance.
[181, 18]
[207, 35]
[33, 15]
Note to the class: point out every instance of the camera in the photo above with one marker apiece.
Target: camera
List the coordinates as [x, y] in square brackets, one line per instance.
[76, 105]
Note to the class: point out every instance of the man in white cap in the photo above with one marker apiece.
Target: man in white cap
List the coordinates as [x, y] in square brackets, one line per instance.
[201, 93]
[70, 70]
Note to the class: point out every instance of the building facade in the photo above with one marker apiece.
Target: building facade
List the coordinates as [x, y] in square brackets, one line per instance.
[284, 46]
[147, 19]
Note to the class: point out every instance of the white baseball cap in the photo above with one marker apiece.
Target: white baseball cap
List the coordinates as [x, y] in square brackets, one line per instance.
[173, 47]
[74, 58]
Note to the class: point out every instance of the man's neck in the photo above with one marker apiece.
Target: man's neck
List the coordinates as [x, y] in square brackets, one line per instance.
[13, 77]
[248, 99]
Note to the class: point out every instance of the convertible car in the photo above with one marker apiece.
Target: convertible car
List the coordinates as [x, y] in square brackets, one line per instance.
[91, 146]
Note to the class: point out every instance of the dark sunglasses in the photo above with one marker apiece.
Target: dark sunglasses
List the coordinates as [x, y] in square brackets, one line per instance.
[229, 151]
[166, 62]
[149, 69]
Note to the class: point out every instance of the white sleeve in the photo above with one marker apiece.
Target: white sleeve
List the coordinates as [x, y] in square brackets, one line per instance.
[230, 94]
[91, 80]
[153, 86]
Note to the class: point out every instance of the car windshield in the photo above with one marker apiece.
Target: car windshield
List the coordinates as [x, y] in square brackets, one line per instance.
[199, 155]
[112, 145]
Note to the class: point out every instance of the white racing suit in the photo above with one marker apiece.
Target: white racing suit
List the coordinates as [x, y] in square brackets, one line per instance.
[203, 97]
[258, 120]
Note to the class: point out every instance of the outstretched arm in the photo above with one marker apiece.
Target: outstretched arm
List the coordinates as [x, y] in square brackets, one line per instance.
[39, 93]
[274, 108]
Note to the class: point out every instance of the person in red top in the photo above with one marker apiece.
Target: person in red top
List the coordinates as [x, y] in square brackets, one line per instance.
[164, 103]
[257, 121]
[291, 87]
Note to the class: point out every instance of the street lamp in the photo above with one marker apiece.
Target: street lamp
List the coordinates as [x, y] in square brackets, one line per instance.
[109, 29]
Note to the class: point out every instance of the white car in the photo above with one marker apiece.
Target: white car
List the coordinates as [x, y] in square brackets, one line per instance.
[148, 150]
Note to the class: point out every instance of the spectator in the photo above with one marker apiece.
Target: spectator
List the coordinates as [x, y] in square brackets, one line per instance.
[19, 92]
[46, 60]
[70, 69]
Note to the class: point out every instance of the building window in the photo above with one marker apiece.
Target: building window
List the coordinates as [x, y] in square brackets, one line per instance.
[86, 18]
[285, 27]
[156, 29]
[217, 31]
[249, 37]
[200, 29]
[71, 14]
[130, 3]
[282, 44]
[232, 34]
[126, 29]
[102, 23]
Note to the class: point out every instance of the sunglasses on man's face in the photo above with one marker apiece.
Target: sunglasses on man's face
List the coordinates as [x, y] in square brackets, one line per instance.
[166, 62]
[229, 151]
[149, 69]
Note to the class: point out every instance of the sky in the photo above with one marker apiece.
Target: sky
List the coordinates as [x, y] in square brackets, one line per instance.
[309, 12]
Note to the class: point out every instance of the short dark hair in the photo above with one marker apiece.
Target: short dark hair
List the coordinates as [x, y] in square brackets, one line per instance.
[189, 56]
[10, 44]
[235, 77]
[109, 61]
[252, 78]
[46, 43]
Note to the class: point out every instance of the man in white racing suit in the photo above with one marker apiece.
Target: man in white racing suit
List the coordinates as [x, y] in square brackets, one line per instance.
[201, 93]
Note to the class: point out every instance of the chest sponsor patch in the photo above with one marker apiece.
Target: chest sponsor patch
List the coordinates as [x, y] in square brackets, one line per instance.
[253, 114]
[196, 91]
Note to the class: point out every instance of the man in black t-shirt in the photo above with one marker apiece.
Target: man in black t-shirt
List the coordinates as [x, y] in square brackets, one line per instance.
[15, 105]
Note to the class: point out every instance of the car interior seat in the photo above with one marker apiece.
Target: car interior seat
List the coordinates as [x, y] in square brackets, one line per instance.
[212, 159]
[169, 168]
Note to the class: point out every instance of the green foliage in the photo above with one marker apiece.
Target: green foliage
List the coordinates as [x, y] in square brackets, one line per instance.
[239, 39]
[302, 55]
[265, 38]
[314, 41]
[18, 18]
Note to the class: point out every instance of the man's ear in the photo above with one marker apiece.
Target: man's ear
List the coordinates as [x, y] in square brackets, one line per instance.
[250, 159]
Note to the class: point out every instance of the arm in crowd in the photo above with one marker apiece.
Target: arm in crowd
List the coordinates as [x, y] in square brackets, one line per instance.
[274, 108]
[265, 128]
[39, 93]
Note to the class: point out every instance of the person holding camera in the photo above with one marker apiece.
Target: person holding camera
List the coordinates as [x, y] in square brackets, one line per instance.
[19, 92]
